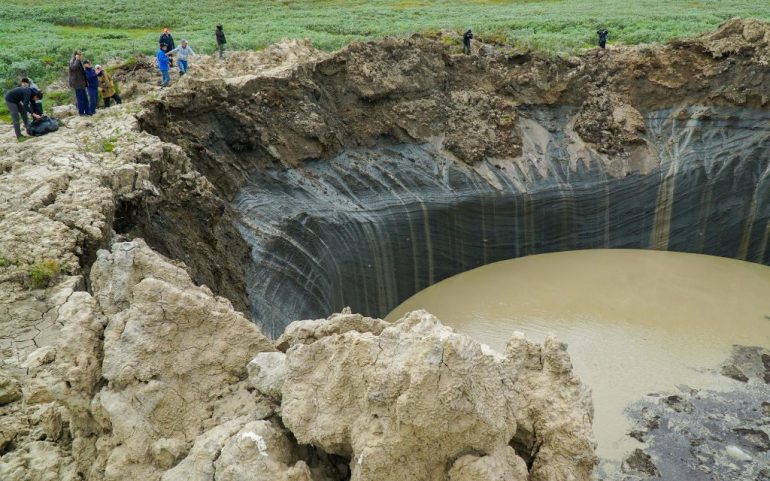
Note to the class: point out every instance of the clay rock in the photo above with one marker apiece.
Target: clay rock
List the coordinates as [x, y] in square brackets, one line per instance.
[174, 364]
[555, 412]
[408, 401]
[260, 452]
[10, 390]
[267, 372]
[503, 464]
[64, 111]
[307, 332]
[609, 122]
[39, 461]
[166, 452]
[241, 450]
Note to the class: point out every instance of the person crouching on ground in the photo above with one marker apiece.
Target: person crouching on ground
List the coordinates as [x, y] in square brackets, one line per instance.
[19, 101]
[92, 83]
[221, 40]
[77, 81]
[107, 87]
[165, 78]
[183, 52]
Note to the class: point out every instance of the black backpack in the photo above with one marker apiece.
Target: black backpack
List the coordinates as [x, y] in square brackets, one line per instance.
[42, 126]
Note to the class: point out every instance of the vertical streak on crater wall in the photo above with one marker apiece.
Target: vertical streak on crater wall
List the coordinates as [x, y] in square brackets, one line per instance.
[371, 227]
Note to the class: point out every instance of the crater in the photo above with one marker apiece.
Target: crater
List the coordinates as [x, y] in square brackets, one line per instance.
[370, 227]
[358, 178]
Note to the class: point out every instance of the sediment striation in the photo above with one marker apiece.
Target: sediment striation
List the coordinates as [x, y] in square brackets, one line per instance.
[362, 176]
[140, 284]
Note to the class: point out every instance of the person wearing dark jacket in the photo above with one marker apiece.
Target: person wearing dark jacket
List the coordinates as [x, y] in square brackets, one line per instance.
[92, 83]
[467, 36]
[221, 40]
[19, 101]
[163, 64]
[602, 33]
[77, 81]
[166, 39]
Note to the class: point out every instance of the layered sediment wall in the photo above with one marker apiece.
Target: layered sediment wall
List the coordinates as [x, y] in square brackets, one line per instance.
[293, 181]
[371, 227]
[362, 176]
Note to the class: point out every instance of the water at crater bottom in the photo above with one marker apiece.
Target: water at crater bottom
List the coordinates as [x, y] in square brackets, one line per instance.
[636, 321]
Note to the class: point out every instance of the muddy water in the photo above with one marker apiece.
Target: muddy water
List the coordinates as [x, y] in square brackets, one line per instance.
[636, 322]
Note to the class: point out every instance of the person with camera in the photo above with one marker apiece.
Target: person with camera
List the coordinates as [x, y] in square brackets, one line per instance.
[77, 82]
[107, 87]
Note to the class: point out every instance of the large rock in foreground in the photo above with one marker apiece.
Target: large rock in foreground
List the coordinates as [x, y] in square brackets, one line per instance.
[418, 401]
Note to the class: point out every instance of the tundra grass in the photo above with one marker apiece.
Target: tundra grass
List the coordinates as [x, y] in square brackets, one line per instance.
[37, 37]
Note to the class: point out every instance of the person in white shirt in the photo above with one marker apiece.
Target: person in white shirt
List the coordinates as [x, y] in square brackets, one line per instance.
[183, 52]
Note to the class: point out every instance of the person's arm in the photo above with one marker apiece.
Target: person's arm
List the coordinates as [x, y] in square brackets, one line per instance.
[192, 52]
[173, 50]
[26, 104]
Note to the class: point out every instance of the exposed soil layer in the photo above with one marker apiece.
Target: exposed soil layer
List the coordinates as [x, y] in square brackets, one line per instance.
[127, 368]
[435, 162]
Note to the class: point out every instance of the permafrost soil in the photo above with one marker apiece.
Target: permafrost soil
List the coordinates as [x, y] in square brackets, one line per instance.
[293, 183]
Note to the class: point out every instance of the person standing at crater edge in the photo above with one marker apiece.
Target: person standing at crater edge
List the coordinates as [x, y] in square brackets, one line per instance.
[183, 52]
[602, 33]
[167, 40]
[221, 40]
[77, 82]
[163, 65]
[467, 36]
[92, 86]
[107, 87]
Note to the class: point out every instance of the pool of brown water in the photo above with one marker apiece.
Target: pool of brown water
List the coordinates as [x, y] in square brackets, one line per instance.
[635, 321]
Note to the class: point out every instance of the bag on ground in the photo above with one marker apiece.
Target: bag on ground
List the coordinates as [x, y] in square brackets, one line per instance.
[42, 126]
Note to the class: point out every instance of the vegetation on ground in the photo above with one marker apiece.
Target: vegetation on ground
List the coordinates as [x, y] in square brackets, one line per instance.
[38, 37]
[42, 273]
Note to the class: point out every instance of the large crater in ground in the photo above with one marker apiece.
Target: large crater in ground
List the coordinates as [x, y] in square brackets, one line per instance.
[361, 177]
[371, 227]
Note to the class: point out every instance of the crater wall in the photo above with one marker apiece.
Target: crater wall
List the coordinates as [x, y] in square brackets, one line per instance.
[370, 227]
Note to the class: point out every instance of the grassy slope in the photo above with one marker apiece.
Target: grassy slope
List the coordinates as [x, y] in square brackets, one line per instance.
[37, 37]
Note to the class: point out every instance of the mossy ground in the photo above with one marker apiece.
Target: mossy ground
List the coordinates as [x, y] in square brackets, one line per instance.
[39, 37]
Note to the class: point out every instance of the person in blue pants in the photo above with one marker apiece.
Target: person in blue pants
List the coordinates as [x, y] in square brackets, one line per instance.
[92, 86]
[163, 66]
[183, 52]
[77, 81]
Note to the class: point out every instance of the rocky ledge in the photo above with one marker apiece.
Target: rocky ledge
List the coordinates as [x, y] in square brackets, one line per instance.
[150, 377]
[119, 233]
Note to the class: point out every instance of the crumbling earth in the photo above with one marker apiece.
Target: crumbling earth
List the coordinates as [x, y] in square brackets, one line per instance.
[130, 358]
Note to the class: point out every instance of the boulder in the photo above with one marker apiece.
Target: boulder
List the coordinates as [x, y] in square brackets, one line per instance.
[418, 396]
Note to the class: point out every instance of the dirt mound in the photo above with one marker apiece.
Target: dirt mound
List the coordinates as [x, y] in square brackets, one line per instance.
[291, 103]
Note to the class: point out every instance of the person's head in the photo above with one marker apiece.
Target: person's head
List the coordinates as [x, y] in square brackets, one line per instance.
[25, 82]
[184, 42]
[98, 69]
[87, 63]
[164, 47]
[76, 55]
[165, 29]
[219, 26]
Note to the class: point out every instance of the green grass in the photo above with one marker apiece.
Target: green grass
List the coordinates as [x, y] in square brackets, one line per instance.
[39, 36]
[43, 273]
